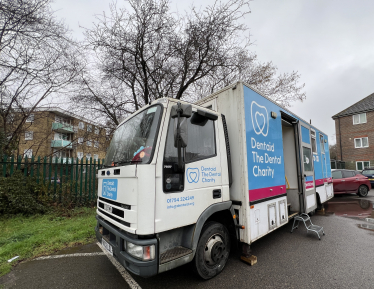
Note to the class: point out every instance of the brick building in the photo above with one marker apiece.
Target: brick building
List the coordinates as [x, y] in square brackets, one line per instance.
[57, 132]
[354, 128]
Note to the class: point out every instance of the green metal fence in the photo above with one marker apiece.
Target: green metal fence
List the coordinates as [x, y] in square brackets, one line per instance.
[63, 178]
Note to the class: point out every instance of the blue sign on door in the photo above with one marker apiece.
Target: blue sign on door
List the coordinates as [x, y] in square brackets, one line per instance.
[109, 189]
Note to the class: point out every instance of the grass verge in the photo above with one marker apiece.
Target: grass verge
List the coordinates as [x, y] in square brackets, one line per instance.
[30, 237]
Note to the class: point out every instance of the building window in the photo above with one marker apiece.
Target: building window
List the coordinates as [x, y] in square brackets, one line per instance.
[96, 157]
[97, 130]
[359, 118]
[75, 129]
[30, 118]
[81, 125]
[80, 140]
[29, 135]
[88, 156]
[96, 144]
[314, 143]
[89, 143]
[80, 155]
[361, 142]
[89, 128]
[28, 153]
[362, 165]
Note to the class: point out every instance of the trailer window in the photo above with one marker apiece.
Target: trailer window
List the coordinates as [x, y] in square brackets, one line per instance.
[201, 141]
[307, 159]
[314, 145]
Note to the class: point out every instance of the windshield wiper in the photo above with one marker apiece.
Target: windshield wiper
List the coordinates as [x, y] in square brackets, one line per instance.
[127, 161]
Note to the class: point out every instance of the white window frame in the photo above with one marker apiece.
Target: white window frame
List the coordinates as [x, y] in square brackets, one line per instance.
[81, 125]
[359, 115]
[75, 128]
[89, 143]
[89, 127]
[96, 157]
[29, 135]
[96, 144]
[97, 130]
[363, 167]
[360, 138]
[88, 156]
[80, 155]
[30, 118]
[80, 140]
[28, 153]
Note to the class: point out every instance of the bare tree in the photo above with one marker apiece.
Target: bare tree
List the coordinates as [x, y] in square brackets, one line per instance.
[37, 61]
[147, 52]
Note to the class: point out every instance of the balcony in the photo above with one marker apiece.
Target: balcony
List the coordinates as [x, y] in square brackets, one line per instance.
[62, 144]
[62, 127]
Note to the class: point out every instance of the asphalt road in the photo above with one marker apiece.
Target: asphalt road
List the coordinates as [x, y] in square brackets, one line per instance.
[344, 258]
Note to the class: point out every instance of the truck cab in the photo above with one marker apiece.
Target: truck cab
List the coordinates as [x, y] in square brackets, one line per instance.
[151, 210]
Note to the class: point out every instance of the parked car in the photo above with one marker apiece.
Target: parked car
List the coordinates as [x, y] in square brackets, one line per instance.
[369, 172]
[349, 181]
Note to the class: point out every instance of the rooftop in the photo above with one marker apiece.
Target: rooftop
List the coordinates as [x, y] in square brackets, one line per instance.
[364, 105]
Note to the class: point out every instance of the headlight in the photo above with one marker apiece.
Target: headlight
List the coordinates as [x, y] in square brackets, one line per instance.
[145, 253]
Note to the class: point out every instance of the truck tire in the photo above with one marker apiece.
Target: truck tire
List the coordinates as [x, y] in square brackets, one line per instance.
[212, 250]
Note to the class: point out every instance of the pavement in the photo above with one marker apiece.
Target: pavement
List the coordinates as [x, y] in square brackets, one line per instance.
[342, 259]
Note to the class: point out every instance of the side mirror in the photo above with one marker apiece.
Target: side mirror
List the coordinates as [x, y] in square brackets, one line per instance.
[184, 109]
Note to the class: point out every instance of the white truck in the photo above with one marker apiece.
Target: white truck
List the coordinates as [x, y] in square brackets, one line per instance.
[184, 182]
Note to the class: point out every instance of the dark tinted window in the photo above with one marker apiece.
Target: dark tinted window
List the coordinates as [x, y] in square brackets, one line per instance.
[337, 175]
[348, 174]
[201, 143]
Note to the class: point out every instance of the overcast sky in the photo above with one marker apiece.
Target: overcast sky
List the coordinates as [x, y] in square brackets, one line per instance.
[330, 43]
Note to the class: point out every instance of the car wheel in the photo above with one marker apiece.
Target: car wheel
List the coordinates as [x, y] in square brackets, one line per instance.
[363, 191]
[212, 251]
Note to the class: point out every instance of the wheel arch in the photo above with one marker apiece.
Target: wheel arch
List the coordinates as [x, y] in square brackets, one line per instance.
[221, 213]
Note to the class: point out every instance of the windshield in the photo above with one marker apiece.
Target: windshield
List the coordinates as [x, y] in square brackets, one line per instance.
[133, 141]
[368, 172]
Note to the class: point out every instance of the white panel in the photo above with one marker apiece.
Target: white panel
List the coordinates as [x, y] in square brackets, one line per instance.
[321, 190]
[272, 216]
[329, 191]
[310, 201]
[283, 215]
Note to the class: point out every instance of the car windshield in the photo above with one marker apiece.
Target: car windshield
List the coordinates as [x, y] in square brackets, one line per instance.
[133, 140]
[368, 172]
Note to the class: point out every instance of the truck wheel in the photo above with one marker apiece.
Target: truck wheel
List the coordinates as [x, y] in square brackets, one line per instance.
[212, 251]
[363, 191]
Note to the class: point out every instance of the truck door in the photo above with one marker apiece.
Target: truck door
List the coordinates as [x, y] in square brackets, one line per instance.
[182, 197]
[307, 168]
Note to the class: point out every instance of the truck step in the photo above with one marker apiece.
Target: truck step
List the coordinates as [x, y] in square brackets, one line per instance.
[174, 253]
[310, 228]
[292, 215]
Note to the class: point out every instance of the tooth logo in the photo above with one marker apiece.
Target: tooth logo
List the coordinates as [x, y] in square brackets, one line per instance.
[260, 119]
[192, 175]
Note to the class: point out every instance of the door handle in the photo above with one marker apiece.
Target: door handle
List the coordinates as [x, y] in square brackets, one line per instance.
[343, 180]
[216, 194]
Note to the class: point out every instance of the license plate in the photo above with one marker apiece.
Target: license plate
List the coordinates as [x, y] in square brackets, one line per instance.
[108, 208]
[107, 246]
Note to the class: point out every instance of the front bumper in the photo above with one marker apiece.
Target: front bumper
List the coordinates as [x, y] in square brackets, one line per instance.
[115, 238]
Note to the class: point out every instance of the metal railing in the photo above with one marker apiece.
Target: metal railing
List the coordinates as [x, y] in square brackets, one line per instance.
[62, 178]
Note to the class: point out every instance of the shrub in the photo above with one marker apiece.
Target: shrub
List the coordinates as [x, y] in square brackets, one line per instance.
[21, 195]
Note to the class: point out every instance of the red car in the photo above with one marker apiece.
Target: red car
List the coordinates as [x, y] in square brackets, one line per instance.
[347, 181]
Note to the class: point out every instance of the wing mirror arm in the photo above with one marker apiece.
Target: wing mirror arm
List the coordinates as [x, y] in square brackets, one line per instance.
[181, 112]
